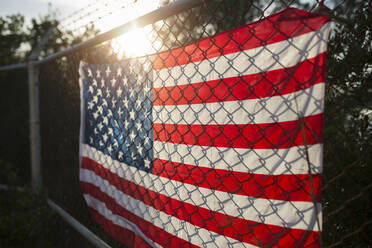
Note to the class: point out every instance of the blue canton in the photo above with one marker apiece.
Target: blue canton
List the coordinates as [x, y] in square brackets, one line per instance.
[118, 105]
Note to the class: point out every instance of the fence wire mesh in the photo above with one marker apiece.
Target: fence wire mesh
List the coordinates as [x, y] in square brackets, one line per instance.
[14, 149]
[121, 132]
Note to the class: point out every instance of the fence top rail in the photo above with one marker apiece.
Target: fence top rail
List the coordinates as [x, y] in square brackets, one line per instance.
[149, 18]
[13, 67]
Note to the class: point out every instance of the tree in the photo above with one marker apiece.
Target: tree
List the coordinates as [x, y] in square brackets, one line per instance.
[25, 218]
[12, 35]
[348, 128]
[13, 107]
[214, 16]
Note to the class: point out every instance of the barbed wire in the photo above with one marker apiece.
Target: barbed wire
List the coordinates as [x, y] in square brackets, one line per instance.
[99, 15]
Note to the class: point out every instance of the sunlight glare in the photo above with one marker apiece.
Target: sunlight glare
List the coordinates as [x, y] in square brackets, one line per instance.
[134, 43]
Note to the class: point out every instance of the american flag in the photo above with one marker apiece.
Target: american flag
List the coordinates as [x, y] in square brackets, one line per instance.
[214, 144]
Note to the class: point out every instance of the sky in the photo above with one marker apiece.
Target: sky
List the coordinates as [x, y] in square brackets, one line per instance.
[34, 8]
[111, 11]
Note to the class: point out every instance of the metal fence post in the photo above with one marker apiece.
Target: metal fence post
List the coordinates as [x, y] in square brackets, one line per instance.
[33, 89]
[33, 94]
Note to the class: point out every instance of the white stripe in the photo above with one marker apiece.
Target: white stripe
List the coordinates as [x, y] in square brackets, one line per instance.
[182, 229]
[279, 55]
[252, 111]
[294, 214]
[101, 208]
[259, 161]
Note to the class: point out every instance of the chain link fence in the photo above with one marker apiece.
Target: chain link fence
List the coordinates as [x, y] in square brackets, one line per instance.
[187, 110]
[15, 153]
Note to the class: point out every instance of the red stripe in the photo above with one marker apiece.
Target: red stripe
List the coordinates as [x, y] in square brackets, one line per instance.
[278, 187]
[278, 135]
[151, 231]
[266, 84]
[236, 228]
[130, 238]
[275, 28]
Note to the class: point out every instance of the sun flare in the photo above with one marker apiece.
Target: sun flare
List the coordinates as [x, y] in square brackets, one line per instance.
[134, 43]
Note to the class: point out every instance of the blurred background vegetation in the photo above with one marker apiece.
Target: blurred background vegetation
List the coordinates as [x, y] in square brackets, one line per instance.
[25, 218]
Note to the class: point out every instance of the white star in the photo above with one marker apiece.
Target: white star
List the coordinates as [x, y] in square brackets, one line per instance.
[125, 81]
[90, 74]
[139, 102]
[147, 113]
[118, 72]
[95, 99]
[139, 125]
[108, 71]
[99, 92]
[100, 109]
[113, 81]
[105, 137]
[132, 135]
[121, 139]
[105, 120]
[95, 115]
[90, 105]
[101, 143]
[116, 143]
[126, 102]
[120, 112]
[95, 131]
[102, 83]
[91, 140]
[147, 163]
[139, 149]
[126, 124]
[146, 88]
[113, 102]
[147, 141]
[100, 126]
[120, 155]
[104, 102]
[119, 91]
[108, 92]
[95, 82]
[131, 114]
[131, 93]
[109, 149]
[90, 89]
[116, 123]
[109, 112]
[98, 73]
[110, 131]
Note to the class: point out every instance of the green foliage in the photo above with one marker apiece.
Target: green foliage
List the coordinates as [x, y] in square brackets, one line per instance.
[12, 35]
[25, 218]
[215, 16]
[348, 130]
[27, 221]
[8, 173]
